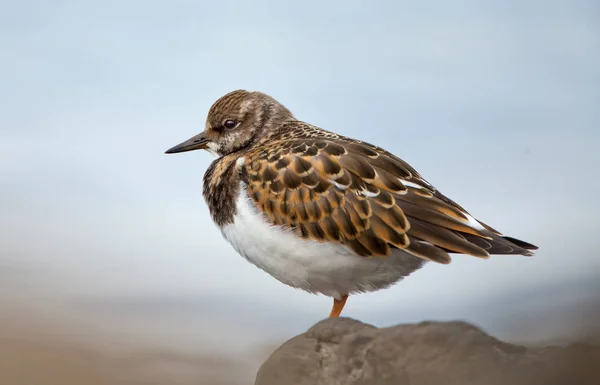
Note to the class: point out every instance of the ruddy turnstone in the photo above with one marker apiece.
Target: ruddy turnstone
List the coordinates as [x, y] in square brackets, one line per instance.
[323, 212]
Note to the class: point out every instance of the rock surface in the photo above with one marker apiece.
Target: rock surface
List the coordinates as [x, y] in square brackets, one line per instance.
[345, 351]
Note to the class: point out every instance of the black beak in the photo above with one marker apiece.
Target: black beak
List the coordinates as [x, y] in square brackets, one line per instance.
[197, 142]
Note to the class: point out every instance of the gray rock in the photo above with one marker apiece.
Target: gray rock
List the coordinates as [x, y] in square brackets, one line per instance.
[345, 351]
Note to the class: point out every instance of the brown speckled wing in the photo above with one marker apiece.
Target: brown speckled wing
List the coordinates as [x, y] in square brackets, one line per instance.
[336, 189]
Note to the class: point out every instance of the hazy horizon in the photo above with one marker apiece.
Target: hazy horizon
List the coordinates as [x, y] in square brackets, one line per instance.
[496, 104]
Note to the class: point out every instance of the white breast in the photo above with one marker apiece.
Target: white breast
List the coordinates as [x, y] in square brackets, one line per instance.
[318, 267]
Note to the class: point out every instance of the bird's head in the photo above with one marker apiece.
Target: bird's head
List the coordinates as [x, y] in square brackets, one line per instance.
[236, 121]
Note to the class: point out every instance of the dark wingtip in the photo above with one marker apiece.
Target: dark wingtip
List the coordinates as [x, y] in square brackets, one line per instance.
[520, 243]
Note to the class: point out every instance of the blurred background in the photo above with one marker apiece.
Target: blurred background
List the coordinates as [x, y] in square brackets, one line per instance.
[108, 256]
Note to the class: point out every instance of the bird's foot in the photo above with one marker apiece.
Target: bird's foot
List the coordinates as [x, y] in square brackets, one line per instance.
[338, 306]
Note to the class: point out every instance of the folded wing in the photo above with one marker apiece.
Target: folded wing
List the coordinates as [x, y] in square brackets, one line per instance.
[357, 194]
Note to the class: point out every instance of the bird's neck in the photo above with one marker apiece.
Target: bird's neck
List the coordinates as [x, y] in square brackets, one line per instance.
[221, 188]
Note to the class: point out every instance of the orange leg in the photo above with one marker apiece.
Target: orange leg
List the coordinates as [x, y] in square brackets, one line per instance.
[338, 305]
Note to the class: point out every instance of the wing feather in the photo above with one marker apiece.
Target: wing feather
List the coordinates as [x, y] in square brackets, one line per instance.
[336, 189]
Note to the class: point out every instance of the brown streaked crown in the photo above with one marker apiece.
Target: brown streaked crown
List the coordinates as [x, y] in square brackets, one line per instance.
[253, 114]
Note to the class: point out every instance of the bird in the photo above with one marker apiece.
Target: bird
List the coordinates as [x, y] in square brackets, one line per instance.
[323, 212]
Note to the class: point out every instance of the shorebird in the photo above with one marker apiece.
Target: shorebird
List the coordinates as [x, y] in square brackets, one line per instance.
[324, 212]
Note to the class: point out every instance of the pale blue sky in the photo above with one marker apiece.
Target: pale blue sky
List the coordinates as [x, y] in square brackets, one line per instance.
[495, 103]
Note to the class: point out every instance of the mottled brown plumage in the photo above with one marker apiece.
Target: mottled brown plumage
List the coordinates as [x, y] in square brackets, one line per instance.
[336, 189]
[331, 189]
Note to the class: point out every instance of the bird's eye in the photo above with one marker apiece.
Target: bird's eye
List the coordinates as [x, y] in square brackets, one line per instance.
[230, 124]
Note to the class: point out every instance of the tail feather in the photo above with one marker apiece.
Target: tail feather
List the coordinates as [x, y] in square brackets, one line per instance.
[500, 244]
[520, 243]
